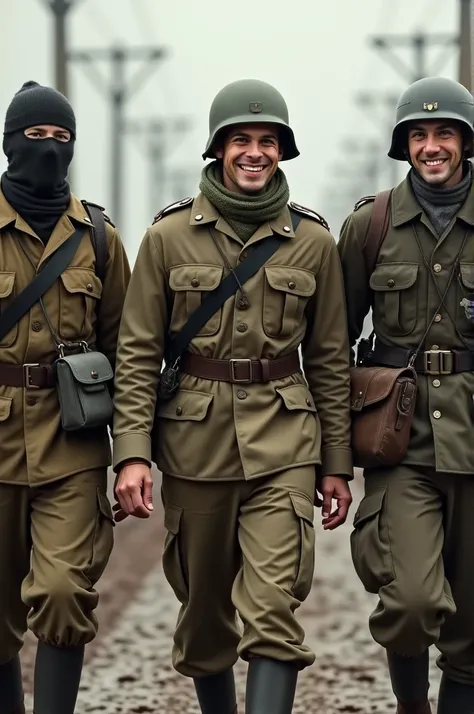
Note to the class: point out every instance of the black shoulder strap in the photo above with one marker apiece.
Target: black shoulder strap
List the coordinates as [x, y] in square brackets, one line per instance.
[377, 229]
[41, 283]
[98, 238]
[214, 300]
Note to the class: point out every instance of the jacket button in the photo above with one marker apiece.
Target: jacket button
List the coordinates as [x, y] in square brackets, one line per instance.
[179, 411]
[391, 283]
[89, 288]
[287, 229]
[198, 217]
[37, 326]
[292, 285]
[31, 401]
[242, 327]
[195, 283]
[241, 394]
[437, 268]
[436, 383]
[437, 318]
[243, 303]
[308, 402]
[437, 414]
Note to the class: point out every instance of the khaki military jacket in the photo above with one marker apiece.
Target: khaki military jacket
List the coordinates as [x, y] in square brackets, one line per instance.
[219, 430]
[33, 447]
[402, 292]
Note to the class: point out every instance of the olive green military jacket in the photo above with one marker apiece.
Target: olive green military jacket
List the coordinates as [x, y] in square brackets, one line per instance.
[403, 292]
[34, 449]
[219, 430]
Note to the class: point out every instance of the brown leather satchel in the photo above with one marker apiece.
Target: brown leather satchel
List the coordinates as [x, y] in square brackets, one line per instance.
[382, 406]
[382, 398]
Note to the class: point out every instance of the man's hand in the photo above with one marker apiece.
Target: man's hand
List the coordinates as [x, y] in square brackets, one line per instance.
[133, 491]
[337, 488]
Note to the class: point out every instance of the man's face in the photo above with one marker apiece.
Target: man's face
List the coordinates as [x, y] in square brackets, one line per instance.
[250, 156]
[48, 131]
[436, 149]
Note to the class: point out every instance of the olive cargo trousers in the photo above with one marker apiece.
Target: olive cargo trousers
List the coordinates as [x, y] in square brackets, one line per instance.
[413, 545]
[243, 547]
[55, 542]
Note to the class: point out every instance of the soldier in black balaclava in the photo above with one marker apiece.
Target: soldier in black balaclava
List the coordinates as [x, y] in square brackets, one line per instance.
[35, 180]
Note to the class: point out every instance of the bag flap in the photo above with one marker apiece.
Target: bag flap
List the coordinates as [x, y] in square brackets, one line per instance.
[89, 367]
[370, 385]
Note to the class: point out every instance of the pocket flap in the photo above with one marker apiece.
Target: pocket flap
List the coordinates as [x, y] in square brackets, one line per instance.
[369, 506]
[173, 519]
[82, 280]
[104, 505]
[303, 507]
[186, 405]
[7, 281]
[467, 275]
[89, 368]
[195, 277]
[5, 407]
[291, 280]
[297, 396]
[394, 276]
[373, 384]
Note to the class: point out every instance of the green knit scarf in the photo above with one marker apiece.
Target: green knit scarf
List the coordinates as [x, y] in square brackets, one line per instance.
[245, 213]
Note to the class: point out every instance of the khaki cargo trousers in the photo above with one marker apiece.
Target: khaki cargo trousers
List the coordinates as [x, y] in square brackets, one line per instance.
[239, 547]
[413, 545]
[55, 541]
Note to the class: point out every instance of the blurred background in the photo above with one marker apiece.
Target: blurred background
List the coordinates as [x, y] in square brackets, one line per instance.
[141, 75]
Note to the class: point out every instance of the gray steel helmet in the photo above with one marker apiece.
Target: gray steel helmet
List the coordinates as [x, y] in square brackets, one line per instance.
[250, 101]
[431, 98]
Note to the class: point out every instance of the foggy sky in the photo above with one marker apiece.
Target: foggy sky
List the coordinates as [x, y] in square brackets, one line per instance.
[316, 53]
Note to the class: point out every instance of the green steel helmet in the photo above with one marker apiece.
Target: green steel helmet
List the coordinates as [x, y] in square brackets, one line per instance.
[250, 101]
[432, 98]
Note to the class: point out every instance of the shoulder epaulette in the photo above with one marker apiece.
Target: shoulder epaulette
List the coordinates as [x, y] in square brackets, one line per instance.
[309, 213]
[101, 208]
[172, 207]
[362, 201]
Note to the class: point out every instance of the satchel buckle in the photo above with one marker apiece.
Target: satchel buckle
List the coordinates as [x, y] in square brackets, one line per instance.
[233, 375]
[27, 375]
[437, 362]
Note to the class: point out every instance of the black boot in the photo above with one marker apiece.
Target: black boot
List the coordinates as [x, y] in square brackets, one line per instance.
[11, 687]
[57, 677]
[410, 681]
[454, 697]
[216, 693]
[271, 686]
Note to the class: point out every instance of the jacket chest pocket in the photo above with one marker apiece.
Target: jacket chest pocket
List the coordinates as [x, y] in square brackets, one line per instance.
[395, 296]
[7, 295]
[191, 283]
[286, 292]
[80, 291]
[465, 300]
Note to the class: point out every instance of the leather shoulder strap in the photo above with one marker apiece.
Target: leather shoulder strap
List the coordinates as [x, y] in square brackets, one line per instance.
[377, 229]
[98, 237]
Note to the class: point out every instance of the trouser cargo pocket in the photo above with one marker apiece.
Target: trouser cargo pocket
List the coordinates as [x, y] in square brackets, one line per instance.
[173, 561]
[304, 511]
[370, 543]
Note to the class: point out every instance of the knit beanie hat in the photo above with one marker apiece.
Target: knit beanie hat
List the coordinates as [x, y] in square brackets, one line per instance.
[35, 104]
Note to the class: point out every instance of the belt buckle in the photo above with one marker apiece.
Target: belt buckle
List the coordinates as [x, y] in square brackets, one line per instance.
[27, 375]
[442, 357]
[233, 377]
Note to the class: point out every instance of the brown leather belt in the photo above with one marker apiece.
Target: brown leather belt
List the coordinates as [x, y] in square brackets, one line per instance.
[430, 362]
[29, 376]
[240, 371]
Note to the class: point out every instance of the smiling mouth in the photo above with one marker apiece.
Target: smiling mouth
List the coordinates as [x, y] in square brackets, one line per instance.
[434, 162]
[252, 169]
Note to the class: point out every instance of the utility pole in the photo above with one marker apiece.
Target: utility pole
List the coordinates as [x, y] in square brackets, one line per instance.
[60, 10]
[419, 43]
[119, 90]
[465, 42]
[372, 102]
[161, 137]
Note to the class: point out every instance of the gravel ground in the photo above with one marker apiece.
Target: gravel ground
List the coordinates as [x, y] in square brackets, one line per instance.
[128, 669]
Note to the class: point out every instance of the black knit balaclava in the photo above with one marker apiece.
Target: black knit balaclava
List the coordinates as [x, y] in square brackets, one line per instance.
[35, 181]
